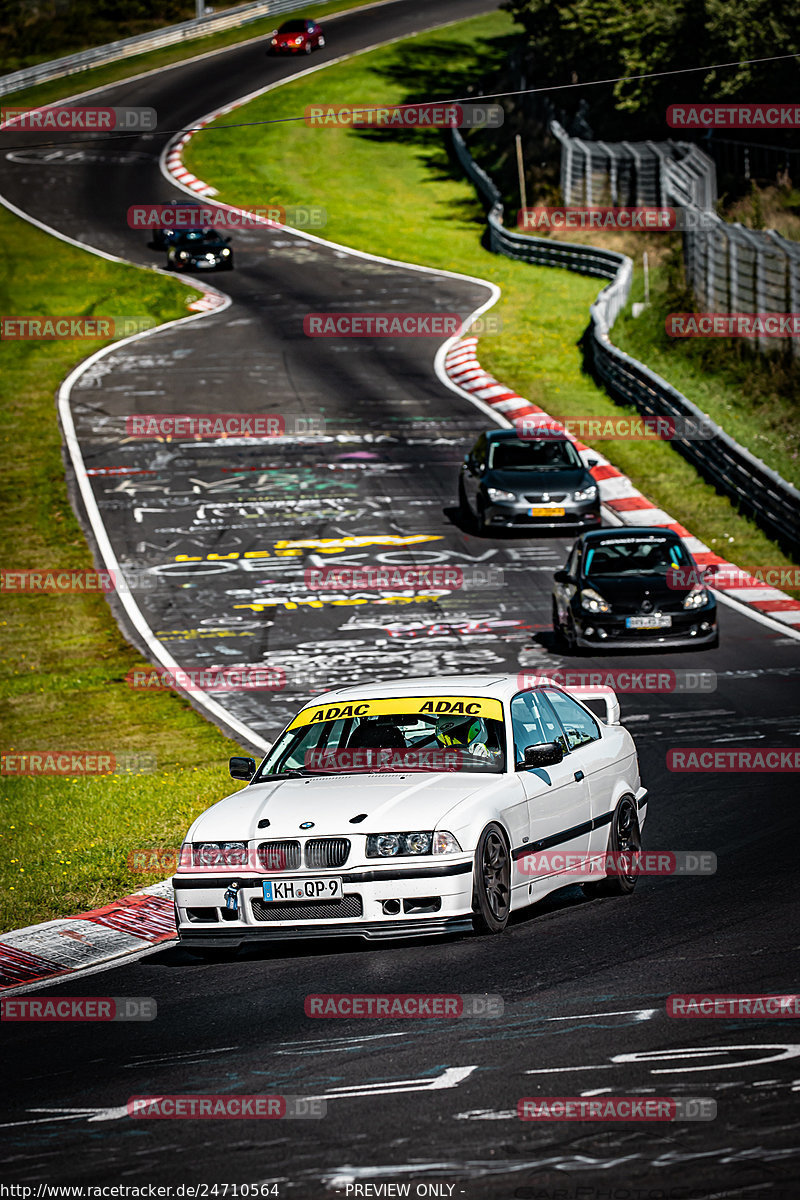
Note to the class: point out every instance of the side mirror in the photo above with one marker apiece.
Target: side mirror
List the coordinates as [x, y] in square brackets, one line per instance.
[592, 462]
[709, 573]
[242, 768]
[227, 239]
[562, 576]
[546, 754]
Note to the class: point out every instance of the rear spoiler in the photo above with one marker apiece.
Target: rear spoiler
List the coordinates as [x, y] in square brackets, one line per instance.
[580, 692]
[606, 694]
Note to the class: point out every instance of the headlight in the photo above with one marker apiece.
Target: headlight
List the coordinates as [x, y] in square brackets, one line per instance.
[495, 494]
[697, 597]
[225, 252]
[593, 602]
[387, 845]
[183, 255]
[274, 41]
[589, 493]
[220, 854]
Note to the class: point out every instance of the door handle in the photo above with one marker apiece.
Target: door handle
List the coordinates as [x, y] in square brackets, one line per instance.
[578, 776]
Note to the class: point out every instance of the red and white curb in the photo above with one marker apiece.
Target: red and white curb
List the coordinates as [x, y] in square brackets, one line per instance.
[622, 501]
[48, 952]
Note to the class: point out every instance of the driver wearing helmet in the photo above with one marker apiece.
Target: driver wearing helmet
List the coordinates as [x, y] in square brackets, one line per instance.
[467, 733]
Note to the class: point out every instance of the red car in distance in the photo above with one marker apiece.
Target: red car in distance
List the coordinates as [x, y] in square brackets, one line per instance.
[296, 37]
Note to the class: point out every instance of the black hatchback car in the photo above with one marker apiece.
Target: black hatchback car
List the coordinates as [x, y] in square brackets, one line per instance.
[631, 587]
[510, 482]
[199, 250]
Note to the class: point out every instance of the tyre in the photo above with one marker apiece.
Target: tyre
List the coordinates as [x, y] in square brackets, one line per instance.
[624, 837]
[491, 895]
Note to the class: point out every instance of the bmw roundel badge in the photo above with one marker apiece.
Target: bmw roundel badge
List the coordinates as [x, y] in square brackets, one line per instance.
[307, 825]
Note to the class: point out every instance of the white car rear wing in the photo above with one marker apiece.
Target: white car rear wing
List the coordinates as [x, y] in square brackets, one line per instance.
[580, 692]
[606, 694]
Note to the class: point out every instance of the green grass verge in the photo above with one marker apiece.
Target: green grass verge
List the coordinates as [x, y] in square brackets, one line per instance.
[82, 81]
[402, 197]
[64, 842]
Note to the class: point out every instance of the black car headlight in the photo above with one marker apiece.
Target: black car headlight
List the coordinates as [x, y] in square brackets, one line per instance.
[697, 598]
[593, 602]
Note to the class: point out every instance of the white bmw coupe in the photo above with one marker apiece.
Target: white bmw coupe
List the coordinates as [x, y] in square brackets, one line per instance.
[408, 808]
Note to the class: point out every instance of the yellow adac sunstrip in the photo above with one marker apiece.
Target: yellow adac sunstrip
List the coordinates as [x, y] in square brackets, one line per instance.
[431, 706]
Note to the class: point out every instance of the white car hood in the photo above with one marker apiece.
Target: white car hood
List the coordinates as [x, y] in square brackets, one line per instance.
[393, 804]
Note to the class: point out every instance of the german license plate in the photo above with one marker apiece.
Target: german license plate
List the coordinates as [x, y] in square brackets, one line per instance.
[654, 622]
[302, 889]
[546, 512]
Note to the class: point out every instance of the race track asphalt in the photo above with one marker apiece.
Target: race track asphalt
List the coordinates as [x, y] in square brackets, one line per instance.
[583, 982]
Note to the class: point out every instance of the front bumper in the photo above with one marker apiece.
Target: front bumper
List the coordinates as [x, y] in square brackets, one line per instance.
[425, 901]
[609, 630]
[512, 514]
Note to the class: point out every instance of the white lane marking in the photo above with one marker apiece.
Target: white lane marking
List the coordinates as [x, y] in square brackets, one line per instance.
[70, 1114]
[643, 1014]
[785, 1051]
[450, 1078]
[755, 615]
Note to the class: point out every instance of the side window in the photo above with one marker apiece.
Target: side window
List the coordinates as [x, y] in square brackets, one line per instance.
[525, 725]
[580, 726]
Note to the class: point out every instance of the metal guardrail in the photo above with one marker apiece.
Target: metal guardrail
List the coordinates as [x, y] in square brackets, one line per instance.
[732, 469]
[186, 31]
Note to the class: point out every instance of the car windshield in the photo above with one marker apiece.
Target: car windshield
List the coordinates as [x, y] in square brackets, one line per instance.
[293, 27]
[635, 556]
[533, 456]
[387, 736]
